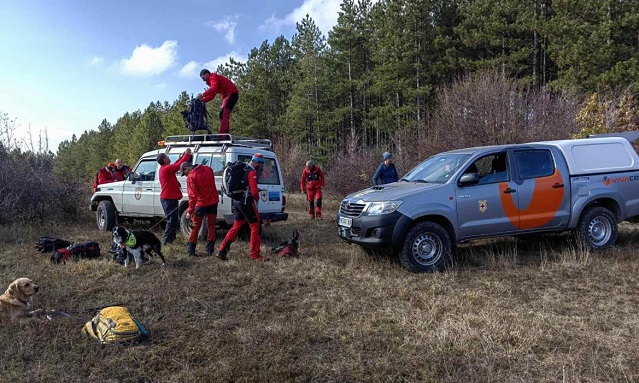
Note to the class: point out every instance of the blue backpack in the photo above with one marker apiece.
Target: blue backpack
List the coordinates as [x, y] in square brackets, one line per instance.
[195, 117]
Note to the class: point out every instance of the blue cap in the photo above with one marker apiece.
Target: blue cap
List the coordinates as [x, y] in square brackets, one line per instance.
[257, 157]
[387, 155]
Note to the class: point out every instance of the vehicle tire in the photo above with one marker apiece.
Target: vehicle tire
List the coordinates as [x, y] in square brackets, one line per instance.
[427, 248]
[105, 216]
[597, 228]
[185, 227]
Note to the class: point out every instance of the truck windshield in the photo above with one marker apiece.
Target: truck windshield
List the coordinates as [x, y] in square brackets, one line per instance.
[437, 169]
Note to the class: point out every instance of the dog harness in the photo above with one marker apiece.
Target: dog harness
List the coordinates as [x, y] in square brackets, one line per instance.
[130, 241]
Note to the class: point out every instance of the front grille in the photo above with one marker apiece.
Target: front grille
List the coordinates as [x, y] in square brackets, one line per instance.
[350, 209]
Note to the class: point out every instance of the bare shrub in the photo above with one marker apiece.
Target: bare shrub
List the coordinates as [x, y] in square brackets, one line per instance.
[30, 192]
[488, 109]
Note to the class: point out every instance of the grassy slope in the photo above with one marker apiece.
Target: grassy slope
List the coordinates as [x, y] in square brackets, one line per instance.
[506, 311]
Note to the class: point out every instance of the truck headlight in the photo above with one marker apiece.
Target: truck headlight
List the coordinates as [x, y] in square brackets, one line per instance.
[379, 208]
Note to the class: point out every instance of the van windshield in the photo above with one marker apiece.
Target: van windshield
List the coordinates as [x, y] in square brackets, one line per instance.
[436, 169]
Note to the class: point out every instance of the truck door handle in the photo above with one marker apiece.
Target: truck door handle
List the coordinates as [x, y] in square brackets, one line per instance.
[509, 191]
[149, 189]
[557, 185]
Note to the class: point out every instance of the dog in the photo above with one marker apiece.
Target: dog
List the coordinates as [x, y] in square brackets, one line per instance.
[16, 302]
[137, 243]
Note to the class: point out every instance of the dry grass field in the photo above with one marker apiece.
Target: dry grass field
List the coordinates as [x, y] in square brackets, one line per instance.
[507, 310]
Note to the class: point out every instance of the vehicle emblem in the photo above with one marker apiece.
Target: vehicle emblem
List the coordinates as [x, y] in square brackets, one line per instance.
[138, 193]
[606, 180]
[263, 195]
[482, 206]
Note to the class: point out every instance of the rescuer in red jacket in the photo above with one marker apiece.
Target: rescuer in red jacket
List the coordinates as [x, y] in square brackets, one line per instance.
[246, 211]
[171, 193]
[221, 85]
[311, 183]
[203, 200]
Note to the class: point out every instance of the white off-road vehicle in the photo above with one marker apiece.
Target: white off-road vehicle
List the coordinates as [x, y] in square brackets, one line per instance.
[138, 197]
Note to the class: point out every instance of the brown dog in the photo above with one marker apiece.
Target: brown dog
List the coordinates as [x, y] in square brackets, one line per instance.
[16, 301]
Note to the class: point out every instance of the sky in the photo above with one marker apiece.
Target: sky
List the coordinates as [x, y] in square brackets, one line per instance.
[65, 65]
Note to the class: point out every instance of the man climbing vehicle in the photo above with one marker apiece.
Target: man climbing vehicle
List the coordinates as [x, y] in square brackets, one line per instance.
[221, 85]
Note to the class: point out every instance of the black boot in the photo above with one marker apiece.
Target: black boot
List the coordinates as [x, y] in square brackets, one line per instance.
[190, 248]
[223, 251]
[210, 248]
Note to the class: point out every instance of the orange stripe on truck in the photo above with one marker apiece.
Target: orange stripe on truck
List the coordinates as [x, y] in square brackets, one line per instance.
[543, 206]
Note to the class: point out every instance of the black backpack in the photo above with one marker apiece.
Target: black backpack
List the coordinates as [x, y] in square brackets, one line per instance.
[195, 117]
[234, 180]
[48, 244]
[80, 250]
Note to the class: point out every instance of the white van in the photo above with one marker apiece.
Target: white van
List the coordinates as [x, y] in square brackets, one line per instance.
[139, 196]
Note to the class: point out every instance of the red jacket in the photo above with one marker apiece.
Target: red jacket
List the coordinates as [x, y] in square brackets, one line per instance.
[200, 184]
[218, 84]
[312, 178]
[168, 180]
[252, 181]
[104, 177]
[120, 174]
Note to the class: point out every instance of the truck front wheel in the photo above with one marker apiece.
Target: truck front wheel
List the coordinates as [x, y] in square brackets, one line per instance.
[597, 228]
[427, 247]
[105, 216]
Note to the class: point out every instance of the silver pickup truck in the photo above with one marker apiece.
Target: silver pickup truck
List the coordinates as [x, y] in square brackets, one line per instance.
[586, 185]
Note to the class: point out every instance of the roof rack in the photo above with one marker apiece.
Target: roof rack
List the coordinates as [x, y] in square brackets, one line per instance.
[218, 139]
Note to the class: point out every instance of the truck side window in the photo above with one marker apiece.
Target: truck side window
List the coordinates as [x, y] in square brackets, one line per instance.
[491, 168]
[147, 170]
[534, 163]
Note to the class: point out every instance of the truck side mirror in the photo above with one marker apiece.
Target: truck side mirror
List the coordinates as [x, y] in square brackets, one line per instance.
[134, 177]
[469, 179]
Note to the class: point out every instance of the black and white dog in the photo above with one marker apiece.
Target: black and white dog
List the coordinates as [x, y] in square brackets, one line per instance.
[137, 243]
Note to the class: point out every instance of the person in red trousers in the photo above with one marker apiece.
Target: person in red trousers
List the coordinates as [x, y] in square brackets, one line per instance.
[312, 183]
[203, 200]
[246, 211]
[221, 85]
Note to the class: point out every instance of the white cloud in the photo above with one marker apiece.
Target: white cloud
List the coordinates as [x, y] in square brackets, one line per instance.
[160, 86]
[148, 61]
[95, 60]
[226, 26]
[191, 69]
[323, 13]
[213, 64]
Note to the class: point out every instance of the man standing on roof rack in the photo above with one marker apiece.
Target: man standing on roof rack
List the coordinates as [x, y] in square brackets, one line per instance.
[227, 90]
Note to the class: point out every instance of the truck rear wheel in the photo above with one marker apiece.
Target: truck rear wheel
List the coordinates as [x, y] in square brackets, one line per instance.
[597, 228]
[427, 248]
[185, 227]
[105, 216]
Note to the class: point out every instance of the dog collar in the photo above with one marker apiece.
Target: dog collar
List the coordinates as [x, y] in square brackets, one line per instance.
[130, 241]
[27, 304]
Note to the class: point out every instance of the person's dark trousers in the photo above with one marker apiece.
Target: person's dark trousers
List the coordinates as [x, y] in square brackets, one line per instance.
[171, 213]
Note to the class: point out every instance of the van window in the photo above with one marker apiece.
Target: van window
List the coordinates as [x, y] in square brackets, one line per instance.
[146, 170]
[534, 163]
[269, 174]
[214, 161]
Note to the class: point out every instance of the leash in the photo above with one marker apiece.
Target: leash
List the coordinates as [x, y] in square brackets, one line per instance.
[164, 219]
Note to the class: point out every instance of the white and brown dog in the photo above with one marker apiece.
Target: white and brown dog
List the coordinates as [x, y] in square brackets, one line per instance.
[16, 302]
[137, 243]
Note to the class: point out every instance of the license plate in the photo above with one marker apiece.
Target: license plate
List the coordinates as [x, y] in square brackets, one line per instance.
[345, 221]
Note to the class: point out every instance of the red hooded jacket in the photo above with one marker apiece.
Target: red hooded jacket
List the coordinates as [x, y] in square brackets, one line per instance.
[312, 179]
[200, 183]
[168, 180]
[218, 85]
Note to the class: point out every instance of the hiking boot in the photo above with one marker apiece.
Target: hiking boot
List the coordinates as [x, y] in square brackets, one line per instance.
[223, 252]
[210, 248]
[260, 258]
[190, 248]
